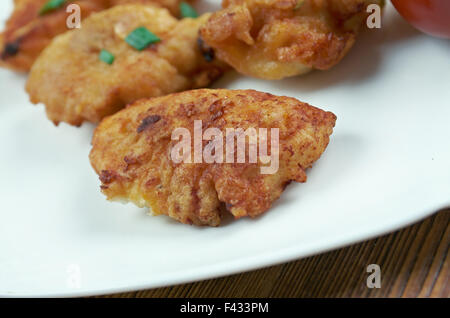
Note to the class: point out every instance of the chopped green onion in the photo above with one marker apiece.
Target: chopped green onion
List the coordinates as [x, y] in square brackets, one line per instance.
[106, 57]
[141, 38]
[187, 11]
[299, 4]
[50, 6]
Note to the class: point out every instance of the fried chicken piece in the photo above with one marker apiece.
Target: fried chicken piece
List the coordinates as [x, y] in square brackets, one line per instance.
[133, 153]
[27, 32]
[273, 39]
[76, 86]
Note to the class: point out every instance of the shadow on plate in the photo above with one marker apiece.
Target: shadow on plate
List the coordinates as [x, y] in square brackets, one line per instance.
[336, 162]
[362, 62]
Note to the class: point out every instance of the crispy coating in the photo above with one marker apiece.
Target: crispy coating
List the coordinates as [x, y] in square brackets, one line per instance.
[76, 86]
[132, 153]
[27, 33]
[273, 39]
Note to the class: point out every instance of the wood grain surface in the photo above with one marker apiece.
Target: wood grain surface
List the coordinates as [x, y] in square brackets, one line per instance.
[414, 262]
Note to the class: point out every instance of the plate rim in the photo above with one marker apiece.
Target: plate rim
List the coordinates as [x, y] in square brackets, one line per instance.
[243, 265]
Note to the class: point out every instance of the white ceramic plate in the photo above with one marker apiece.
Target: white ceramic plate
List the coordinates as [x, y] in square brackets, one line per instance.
[387, 165]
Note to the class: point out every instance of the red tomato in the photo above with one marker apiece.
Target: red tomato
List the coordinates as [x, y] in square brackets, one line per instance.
[429, 16]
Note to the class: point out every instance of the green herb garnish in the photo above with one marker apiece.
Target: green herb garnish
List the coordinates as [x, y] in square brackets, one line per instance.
[141, 38]
[51, 5]
[187, 11]
[299, 4]
[106, 57]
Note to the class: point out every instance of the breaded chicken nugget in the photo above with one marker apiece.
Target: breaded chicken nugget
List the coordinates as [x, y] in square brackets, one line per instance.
[273, 39]
[28, 31]
[76, 85]
[133, 152]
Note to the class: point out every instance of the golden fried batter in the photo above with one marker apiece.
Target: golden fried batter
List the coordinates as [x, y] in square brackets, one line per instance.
[76, 86]
[273, 39]
[132, 153]
[27, 33]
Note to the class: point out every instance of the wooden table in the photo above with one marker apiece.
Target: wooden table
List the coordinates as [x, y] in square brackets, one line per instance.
[414, 262]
